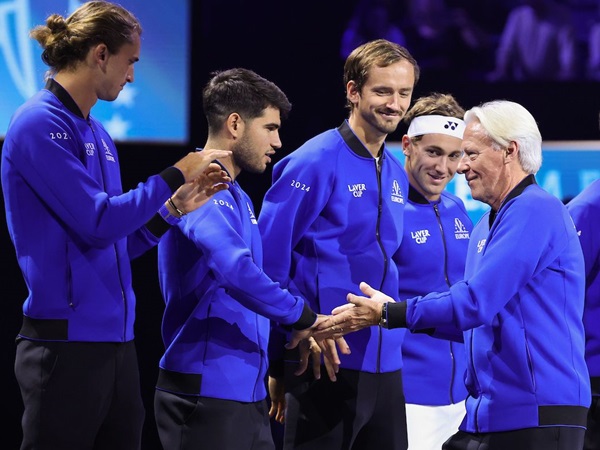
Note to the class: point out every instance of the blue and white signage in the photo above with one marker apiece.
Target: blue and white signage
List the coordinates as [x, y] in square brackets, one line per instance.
[153, 108]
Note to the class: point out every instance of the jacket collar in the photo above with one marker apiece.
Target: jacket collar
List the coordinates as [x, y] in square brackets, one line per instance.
[63, 96]
[516, 191]
[354, 143]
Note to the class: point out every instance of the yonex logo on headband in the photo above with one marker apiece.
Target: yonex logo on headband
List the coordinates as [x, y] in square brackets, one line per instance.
[436, 124]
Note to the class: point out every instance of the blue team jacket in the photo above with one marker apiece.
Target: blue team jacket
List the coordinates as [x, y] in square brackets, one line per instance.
[585, 210]
[520, 307]
[432, 258]
[73, 228]
[219, 301]
[332, 219]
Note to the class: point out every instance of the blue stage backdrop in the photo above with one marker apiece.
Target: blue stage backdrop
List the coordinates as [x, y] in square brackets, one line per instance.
[152, 108]
[567, 168]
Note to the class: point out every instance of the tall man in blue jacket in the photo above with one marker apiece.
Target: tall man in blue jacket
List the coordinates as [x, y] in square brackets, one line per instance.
[585, 210]
[432, 257]
[75, 233]
[520, 305]
[211, 390]
[334, 216]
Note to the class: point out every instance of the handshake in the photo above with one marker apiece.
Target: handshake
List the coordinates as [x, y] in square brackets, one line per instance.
[360, 312]
[324, 340]
[326, 334]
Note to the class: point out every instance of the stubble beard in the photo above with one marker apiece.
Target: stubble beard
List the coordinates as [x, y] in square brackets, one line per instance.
[383, 125]
[246, 159]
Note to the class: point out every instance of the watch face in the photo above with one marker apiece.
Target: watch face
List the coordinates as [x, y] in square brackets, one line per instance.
[383, 322]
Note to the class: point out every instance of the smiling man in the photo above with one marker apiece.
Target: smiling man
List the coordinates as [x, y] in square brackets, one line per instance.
[432, 257]
[519, 308]
[333, 217]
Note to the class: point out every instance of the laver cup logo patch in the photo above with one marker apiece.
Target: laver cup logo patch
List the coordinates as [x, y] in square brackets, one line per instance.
[357, 189]
[420, 236]
[251, 213]
[460, 231]
[107, 154]
[90, 148]
[480, 245]
[397, 196]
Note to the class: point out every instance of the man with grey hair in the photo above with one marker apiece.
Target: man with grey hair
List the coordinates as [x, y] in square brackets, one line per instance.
[524, 282]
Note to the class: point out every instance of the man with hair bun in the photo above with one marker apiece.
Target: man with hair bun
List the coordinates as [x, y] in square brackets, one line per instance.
[75, 231]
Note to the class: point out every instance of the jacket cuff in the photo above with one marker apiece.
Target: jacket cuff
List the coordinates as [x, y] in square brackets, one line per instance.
[306, 320]
[157, 225]
[173, 177]
[396, 314]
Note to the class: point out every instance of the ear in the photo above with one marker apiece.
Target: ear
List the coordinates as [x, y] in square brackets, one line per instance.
[352, 93]
[234, 124]
[510, 152]
[405, 144]
[100, 53]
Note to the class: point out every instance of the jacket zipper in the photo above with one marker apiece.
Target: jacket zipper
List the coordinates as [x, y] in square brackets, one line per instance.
[447, 278]
[123, 299]
[378, 165]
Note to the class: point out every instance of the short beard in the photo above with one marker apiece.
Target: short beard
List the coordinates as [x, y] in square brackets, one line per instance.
[377, 122]
[244, 158]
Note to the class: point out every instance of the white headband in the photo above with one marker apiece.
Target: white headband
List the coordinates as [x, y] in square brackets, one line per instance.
[436, 124]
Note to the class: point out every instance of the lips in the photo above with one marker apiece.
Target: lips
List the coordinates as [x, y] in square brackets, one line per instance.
[436, 178]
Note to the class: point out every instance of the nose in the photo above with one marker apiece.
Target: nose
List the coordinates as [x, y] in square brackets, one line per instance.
[441, 164]
[463, 164]
[398, 102]
[129, 77]
[276, 141]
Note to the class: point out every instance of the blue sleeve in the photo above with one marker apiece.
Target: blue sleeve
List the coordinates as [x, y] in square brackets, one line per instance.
[140, 241]
[523, 242]
[54, 169]
[217, 230]
[585, 211]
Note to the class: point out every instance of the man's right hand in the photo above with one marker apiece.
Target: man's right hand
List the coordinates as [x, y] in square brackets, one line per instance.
[190, 196]
[194, 164]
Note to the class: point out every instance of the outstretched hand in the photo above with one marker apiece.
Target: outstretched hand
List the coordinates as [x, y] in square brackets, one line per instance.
[314, 348]
[359, 313]
[299, 335]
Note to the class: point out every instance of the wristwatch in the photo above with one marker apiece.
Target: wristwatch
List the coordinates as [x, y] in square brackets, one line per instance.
[383, 322]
